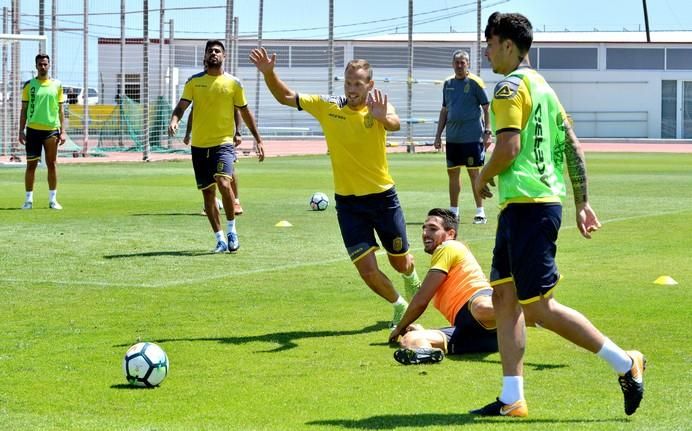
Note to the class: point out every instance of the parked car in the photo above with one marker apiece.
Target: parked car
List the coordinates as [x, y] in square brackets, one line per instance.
[75, 95]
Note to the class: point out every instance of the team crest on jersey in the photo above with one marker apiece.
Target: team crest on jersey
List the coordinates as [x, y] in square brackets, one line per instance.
[397, 244]
[467, 87]
[368, 120]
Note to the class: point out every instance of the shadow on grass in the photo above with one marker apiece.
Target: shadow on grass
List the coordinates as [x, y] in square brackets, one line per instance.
[285, 340]
[159, 253]
[127, 386]
[10, 209]
[481, 357]
[197, 214]
[418, 421]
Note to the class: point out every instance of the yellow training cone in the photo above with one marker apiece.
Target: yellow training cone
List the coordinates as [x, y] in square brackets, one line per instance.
[665, 280]
[283, 223]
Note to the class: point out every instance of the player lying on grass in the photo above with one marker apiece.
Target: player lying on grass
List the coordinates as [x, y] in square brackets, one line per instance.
[458, 288]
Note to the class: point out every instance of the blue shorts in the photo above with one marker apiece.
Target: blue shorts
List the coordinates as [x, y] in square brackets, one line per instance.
[525, 249]
[211, 162]
[35, 140]
[361, 216]
[471, 155]
[467, 335]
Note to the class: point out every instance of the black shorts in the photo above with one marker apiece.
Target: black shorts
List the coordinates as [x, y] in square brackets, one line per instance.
[525, 249]
[211, 162]
[35, 140]
[471, 155]
[361, 216]
[469, 336]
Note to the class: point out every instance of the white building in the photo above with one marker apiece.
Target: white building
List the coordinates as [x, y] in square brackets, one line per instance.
[614, 84]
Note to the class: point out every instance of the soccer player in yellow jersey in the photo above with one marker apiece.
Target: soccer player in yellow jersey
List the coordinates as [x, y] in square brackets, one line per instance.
[355, 127]
[237, 140]
[43, 116]
[458, 288]
[215, 95]
[533, 142]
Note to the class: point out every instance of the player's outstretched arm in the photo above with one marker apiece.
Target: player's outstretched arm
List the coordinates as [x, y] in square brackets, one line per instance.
[587, 221]
[433, 280]
[265, 64]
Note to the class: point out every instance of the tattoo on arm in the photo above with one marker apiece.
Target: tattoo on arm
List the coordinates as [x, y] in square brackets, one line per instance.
[576, 167]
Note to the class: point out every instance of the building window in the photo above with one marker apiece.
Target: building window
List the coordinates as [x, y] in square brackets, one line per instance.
[429, 56]
[635, 58]
[315, 56]
[132, 87]
[669, 103]
[568, 58]
[185, 56]
[281, 54]
[678, 59]
[533, 59]
[386, 57]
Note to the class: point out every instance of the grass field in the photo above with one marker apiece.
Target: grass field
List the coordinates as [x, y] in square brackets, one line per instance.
[284, 335]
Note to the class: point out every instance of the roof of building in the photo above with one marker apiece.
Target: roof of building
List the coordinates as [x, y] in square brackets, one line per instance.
[550, 37]
[684, 37]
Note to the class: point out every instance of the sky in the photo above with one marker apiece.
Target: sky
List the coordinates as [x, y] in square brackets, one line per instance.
[308, 19]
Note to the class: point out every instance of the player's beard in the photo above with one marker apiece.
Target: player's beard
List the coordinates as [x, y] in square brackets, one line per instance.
[214, 62]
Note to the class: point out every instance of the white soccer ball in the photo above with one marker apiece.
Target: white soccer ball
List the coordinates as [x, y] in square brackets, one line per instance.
[319, 201]
[145, 365]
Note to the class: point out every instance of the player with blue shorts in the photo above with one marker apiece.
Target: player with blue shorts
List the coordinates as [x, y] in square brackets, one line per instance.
[355, 127]
[215, 95]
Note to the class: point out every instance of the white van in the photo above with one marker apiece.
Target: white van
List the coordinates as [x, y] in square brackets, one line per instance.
[75, 95]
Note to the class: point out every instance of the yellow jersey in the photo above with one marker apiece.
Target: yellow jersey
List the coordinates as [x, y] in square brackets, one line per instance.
[356, 143]
[214, 98]
[464, 277]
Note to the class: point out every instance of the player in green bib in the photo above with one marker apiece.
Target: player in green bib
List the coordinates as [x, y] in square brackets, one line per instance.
[533, 140]
[43, 117]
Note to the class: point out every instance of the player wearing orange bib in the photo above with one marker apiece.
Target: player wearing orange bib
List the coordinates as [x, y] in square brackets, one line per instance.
[457, 287]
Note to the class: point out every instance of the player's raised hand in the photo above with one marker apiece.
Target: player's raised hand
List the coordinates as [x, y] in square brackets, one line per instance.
[587, 221]
[377, 104]
[262, 60]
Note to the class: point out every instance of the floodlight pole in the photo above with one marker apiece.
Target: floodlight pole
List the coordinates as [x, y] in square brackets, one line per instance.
[646, 21]
[330, 50]
[145, 81]
[229, 36]
[121, 92]
[42, 26]
[54, 37]
[85, 78]
[479, 54]
[5, 99]
[257, 75]
[409, 81]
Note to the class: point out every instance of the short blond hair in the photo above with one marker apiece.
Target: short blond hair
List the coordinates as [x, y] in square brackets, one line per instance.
[360, 64]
